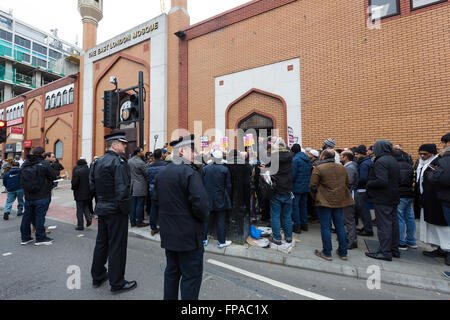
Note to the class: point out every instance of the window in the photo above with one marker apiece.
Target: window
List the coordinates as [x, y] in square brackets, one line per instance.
[22, 108]
[22, 42]
[53, 102]
[14, 113]
[39, 62]
[64, 98]
[39, 48]
[20, 56]
[383, 8]
[71, 95]
[7, 115]
[58, 100]
[54, 54]
[417, 4]
[47, 103]
[58, 150]
[5, 35]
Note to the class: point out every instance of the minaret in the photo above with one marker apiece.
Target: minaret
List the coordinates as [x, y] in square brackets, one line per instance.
[91, 12]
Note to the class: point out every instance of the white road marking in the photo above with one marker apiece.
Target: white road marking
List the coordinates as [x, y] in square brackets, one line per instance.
[80, 235]
[51, 227]
[270, 281]
[7, 254]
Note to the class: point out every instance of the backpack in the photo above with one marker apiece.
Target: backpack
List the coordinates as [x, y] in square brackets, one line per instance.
[32, 179]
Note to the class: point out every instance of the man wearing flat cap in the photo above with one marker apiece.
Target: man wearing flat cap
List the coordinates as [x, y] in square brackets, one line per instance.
[110, 181]
[182, 203]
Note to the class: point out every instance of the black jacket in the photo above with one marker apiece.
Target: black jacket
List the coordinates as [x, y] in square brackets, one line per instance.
[406, 178]
[241, 174]
[80, 181]
[283, 178]
[217, 182]
[383, 184]
[110, 180]
[182, 203]
[441, 178]
[45, 172]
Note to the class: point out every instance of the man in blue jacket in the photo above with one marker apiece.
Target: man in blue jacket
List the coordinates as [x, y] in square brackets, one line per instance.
[12, 185]
[301, 174]
[153, 169]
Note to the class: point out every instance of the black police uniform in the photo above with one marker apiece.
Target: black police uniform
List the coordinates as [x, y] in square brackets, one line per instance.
[182, 204]
[110, 180]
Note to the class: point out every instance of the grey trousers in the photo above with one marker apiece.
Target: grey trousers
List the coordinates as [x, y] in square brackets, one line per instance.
[387, 227]
[362, 211]
[349, 222]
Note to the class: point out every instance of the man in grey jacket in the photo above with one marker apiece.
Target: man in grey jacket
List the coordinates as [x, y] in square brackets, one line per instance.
[347, 158]
[138, 188]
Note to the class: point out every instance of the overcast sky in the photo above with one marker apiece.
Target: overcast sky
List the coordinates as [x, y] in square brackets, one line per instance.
[117, 17]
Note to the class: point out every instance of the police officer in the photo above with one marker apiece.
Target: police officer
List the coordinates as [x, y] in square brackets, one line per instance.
[110, 180]
[182, 202]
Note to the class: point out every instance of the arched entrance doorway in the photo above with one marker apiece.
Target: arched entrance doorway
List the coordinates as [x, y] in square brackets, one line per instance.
[261, 124]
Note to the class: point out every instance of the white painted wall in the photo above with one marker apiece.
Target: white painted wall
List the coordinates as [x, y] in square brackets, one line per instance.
[274, 78]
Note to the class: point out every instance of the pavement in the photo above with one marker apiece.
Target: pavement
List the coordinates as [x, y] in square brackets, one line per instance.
[413, 269]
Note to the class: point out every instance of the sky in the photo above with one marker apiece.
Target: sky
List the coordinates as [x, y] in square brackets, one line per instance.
[63, 15]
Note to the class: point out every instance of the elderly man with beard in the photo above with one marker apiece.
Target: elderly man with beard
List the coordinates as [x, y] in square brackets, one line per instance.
[435, 227]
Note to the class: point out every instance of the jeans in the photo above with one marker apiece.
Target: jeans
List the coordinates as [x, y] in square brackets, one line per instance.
[35, 211]
[325, 217]
[137, 210]
[406, 220]
[281, 205]
[362, 211]
[300, 209]
[446, 214]
[154, 215]
[10, 201]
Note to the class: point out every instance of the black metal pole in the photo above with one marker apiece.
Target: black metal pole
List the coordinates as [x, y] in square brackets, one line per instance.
[141, 109]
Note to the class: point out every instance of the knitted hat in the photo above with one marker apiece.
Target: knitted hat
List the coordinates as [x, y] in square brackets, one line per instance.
[429, 147]
[330, 143]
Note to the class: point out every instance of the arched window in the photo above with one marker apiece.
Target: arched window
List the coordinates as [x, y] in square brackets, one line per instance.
[22, 109]
[58, 100]
[14, 113]
[7, 115]
[64, 98]
[58, 149]
[53, 102]
[47, 103]
[71, 95]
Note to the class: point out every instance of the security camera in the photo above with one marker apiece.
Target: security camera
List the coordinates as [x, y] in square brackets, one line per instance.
[113, 80]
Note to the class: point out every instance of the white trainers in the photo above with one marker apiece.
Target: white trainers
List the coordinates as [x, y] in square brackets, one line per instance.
[223, 245]
[412, 246]
[205, 242]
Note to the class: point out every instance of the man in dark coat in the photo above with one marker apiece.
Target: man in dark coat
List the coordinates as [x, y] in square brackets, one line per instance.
[301, 175]
[383, 191]
[138, 188]
[436, 192]
[217, 181]
[110, 179]
[182, 203]
[362, 212]
[152, 171]
[82, 194]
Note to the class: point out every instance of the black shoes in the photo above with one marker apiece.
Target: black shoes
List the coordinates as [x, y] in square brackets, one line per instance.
[297, 229]
[438, 253]
[98, 283]
[142, 225]
[88, 224]
[354, 245]
[6, 216]
[154, 231]
[129, 285]
[304, 227]
[377, 255]
[79, 228]
[364, 233]
[395, 254]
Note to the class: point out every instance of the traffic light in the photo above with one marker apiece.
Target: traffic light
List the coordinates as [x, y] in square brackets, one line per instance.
[110, 109]
[129, 112]
[2, 131]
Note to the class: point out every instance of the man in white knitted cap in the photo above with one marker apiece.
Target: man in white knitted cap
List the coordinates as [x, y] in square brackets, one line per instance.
[330, 144]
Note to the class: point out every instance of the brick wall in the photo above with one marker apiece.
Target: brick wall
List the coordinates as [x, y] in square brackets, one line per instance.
[357, 84]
